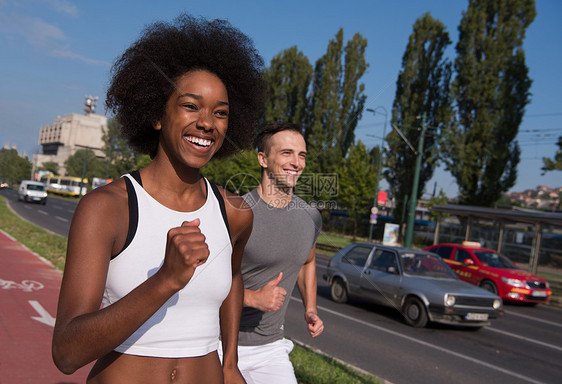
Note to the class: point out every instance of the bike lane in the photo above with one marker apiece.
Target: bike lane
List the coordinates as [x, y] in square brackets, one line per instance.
[29, 289]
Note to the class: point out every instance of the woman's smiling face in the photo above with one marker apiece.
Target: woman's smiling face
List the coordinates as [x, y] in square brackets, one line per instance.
[195, 120]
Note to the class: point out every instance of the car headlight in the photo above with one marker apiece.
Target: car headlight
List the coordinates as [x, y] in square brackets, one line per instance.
[547, 285]
[514, 282]
[497, 304]
[449, 300]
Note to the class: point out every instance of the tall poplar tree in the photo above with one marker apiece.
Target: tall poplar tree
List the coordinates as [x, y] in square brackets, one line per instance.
[491, 89]
[287, 81]
[422, 87]
[337, 101]
[556, 163]
[357, 184]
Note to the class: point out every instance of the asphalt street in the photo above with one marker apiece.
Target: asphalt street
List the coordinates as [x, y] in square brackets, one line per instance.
[524, 346]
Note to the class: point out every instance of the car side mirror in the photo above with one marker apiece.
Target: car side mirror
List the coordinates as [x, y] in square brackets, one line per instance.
[392, 270]
[468, 261]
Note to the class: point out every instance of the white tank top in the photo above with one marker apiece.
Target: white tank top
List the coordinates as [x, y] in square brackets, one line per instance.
[187, 325]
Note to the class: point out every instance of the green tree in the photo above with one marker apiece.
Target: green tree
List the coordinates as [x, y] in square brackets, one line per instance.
[357, 184]
[239, 174]
[143, 161]
[50, 166]
[287, 80]
[94, 166]
[13, 167]
[337, 101]
[440, 199]
[491, 90]
[422, 87]
[120, 157]
[556, 164]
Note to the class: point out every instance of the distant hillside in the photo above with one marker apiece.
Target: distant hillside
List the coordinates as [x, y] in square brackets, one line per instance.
[542, 197]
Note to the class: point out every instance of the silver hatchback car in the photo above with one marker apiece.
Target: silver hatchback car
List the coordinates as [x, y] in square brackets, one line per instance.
[419, 284]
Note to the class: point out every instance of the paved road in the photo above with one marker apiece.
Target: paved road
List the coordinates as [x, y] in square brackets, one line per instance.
[524, 346]
[54, 216]
[28, 298]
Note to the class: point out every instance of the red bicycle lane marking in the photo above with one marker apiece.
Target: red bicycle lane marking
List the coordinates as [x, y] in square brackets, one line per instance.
[29, 289]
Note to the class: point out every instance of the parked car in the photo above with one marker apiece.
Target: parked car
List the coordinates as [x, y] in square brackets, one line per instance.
[30, 190]
[494, 272]
[417, 283]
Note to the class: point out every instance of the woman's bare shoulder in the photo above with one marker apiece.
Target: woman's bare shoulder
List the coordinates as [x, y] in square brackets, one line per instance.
[239, 213]
[235, 203]
[104, 207]
[110, 196]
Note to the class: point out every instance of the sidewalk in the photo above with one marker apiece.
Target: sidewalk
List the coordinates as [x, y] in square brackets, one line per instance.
[28, 301]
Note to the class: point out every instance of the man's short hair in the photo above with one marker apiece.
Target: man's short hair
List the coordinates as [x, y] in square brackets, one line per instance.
[265, 134]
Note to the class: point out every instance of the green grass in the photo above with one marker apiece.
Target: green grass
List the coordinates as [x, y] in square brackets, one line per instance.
[314, 368]
[550, 276]
[333, 240]
[52, 247]
[310, 367]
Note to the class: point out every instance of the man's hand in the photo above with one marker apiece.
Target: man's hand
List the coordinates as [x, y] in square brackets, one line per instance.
[315, 324]
[270, 297]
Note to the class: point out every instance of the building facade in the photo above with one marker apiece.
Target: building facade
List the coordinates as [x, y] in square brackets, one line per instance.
[67, 135]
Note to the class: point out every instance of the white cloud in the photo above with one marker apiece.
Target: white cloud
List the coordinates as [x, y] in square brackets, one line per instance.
[36, 31]
[42, 35]
[62, 6]
[67, 54]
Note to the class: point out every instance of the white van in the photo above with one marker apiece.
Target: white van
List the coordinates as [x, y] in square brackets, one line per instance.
[32, 191]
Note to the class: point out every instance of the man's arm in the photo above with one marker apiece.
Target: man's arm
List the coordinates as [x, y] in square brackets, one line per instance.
[307, 284]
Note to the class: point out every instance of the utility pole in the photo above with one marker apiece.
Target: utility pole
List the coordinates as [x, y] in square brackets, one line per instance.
[375, 203]
[413, 197]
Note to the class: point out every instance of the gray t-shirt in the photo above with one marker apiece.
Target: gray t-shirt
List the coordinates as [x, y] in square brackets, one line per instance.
[281, 241]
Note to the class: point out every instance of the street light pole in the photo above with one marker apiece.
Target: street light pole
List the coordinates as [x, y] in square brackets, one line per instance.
[413, 198]
[375, 203]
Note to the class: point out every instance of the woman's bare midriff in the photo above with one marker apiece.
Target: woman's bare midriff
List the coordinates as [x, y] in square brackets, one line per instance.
[120, 368]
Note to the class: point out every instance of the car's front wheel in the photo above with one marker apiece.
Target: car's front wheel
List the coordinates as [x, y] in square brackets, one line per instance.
[414, 312]
[339, 291]
[489, 286]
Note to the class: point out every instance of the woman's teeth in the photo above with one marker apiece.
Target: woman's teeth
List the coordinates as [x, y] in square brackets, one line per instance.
[198, 141]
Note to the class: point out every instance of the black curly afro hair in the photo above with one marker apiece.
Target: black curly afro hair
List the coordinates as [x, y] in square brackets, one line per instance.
[143, 78]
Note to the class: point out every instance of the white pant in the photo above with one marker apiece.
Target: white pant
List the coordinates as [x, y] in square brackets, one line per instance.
[266, 364]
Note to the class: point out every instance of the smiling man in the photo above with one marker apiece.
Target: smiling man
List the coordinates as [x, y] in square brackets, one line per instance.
[279, 253]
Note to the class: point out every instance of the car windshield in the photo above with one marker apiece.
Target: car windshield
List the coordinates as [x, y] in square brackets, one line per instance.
[423, 264]
[35, 187]
[494, 260]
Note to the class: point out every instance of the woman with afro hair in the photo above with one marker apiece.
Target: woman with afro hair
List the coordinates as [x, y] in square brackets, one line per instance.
[152, 279]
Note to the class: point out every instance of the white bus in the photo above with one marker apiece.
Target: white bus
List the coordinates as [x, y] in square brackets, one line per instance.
[64, 185]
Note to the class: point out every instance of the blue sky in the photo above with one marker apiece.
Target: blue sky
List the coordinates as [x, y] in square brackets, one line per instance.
[55, 52]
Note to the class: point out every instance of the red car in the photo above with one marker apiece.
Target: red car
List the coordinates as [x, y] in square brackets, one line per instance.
[492, 271]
